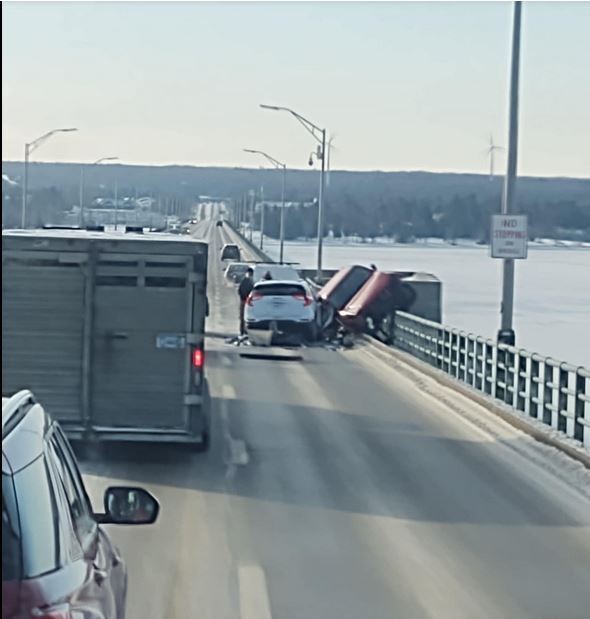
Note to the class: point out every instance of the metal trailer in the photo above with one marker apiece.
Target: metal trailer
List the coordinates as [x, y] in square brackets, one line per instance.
[107, 330]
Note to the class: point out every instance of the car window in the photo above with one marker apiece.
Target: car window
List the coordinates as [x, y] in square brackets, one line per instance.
[231, 252]
[39, 519]
[11, 552]
[72, 486]
[279, 289]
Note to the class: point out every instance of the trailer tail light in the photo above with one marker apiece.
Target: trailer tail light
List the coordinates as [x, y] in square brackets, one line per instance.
[300, 296]
[198, 358]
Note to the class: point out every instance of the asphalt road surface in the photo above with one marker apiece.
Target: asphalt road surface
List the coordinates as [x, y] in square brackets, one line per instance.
[338, 487]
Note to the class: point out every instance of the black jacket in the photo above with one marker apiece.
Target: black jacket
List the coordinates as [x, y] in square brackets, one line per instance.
[245, 288]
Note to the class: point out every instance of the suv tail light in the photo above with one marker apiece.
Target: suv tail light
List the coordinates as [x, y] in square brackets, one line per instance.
[198, 358]
[300, 296]
[253, 296]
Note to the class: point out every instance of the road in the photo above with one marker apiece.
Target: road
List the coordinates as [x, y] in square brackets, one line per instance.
[338, 487]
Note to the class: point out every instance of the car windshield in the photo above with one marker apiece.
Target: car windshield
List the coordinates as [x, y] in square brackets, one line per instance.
[237, 268]
[317, 276]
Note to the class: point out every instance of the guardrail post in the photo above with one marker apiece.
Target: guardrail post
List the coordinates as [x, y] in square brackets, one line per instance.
[547, 393]
[562, 401]
[582, 408]
[501, 373]
[520, 381]
[525, 384]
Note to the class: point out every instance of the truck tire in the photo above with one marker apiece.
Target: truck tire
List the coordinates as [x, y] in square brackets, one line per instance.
[203, 446]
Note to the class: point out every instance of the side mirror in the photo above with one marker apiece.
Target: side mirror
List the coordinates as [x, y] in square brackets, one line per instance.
[128, 505]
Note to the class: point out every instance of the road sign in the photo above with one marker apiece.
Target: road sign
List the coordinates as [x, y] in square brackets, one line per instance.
[509, 236]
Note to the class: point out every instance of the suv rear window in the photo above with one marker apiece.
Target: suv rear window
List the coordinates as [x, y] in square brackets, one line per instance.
[279, 289]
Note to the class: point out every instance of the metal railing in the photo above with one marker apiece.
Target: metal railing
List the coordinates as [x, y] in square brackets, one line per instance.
[556, 393]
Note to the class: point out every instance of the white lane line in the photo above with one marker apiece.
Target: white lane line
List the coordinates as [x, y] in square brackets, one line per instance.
[254, 602]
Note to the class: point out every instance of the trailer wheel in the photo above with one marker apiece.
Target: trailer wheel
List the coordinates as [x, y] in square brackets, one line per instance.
[204, 444]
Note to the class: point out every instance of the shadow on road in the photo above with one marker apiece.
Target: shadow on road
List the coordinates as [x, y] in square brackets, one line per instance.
[342, 461]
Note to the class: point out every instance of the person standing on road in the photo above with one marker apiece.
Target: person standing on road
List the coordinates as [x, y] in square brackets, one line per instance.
[244, 289]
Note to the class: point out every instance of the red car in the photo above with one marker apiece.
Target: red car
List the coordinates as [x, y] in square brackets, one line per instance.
[57, 560]
[382, 294]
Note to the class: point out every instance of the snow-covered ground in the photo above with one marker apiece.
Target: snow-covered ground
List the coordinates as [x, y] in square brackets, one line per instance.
[552, 293]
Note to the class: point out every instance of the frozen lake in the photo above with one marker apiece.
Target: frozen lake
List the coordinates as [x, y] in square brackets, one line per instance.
[552, 289]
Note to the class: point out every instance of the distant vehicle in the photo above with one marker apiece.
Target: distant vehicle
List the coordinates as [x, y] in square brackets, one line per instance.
[282, 272]
[58, 561]
[219, 223]
[108, 330]
[287, 308]
[235, 271]
[230, 251]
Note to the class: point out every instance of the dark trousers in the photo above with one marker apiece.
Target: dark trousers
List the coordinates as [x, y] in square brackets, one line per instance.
[242, 324]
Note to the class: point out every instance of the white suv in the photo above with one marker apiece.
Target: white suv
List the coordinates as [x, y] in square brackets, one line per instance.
[285, 308]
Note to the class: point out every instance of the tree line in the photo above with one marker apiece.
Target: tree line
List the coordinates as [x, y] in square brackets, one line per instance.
[405, 220]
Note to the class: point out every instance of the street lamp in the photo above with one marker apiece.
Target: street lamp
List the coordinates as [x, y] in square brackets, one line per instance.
[277, 164]
[101, 160]
[29, 148]
[320, 154]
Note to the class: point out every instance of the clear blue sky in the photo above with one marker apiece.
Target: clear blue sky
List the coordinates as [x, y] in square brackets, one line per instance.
[402, 86]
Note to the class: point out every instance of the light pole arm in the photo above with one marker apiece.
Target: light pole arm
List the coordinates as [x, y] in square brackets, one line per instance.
[309, 126]
[34, 145]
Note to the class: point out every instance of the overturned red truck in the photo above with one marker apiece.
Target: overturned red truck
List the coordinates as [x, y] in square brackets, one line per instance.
[364, 300]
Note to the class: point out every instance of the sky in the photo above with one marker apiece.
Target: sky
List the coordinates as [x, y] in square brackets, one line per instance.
[399, 86]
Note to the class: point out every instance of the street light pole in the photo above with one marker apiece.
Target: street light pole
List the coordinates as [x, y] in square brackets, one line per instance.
[101, 160]
[23, 217]
[29, 148]
[506, 334]
[282, 221]
[116, 204]
[252, 199]
[277, 164]
[321, 209]
[261, 217]
[314, 130]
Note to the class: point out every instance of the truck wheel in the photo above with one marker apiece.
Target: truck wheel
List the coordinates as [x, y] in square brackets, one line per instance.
[205, 443]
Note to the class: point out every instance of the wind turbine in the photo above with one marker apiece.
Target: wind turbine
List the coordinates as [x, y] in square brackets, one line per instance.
[491, 150]
[329, 149]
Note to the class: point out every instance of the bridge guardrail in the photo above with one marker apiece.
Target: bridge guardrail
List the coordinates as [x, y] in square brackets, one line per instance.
[551, 391]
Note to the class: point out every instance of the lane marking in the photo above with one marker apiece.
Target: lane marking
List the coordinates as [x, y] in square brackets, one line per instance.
[254, 602]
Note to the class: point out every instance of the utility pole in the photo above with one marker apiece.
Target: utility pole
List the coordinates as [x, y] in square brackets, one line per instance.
[314, 130]
[506, 333]
[321, 209]
[252, 200]
[261, 217]
[116, 204]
